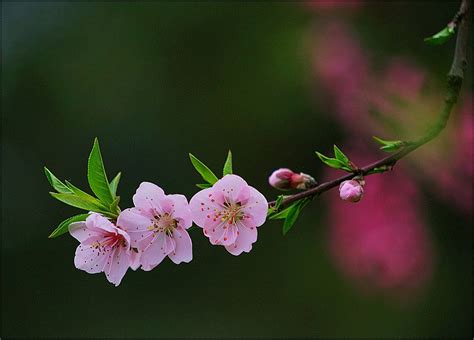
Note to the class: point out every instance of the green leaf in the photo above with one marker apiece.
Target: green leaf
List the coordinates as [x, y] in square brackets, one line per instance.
[228, 165]
[333, 162]
[340, 156]
[441, 37]
[97, 176]
[55, 182]
[79, 193]
[278, 202]
[389, 145]
[203, 185]
[203, 170]
[281, 214]
[114, 208]
[114, 184]
[77, 201]
[293, 214]
[64, 225]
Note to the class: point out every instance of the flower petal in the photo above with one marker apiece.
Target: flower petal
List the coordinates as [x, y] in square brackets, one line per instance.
[99, 223]
[79, 231]
[256, 206]
[160, 246]
[223, 234]
[134, 259]
[134, 223]
[243, 243]
[183, 251]
[233, 187]
[147, 197]
[91, 260]
[132, 220]
[203, 204]
[181, 210]
[119, 262]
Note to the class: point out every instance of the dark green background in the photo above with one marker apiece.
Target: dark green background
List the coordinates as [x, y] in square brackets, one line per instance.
[155, 81]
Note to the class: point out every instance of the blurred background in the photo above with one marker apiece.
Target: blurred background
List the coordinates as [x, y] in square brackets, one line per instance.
[273, 82]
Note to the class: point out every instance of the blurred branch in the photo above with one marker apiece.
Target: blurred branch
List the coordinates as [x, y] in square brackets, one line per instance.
[454, 83]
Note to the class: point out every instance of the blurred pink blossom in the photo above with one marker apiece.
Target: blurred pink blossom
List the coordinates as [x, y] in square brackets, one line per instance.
[395, 102]
[382, 241]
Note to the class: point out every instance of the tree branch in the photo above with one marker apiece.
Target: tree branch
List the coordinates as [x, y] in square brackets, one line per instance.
[454, 82]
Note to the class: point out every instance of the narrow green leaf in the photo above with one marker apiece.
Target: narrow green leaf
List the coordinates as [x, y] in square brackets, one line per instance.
[84, 195]
[203, 185]
[278, 202]
[64, 225]
[290, 219]
[114, 208]
[203, 170]
[340, 156]
[441, 37]
[333, 163]
[282, 214]
[114, 184]
[274, 209]
[97, 176]
[389, 145]
[228, 165]
[77, 201]
[55, 182]
[293, 214]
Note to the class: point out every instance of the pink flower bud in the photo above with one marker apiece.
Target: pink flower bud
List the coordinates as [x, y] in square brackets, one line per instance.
[285, 179]
[351, 190]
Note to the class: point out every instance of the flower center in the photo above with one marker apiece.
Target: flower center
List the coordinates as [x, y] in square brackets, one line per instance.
[111, 240]
[163, 223]
[232, 213]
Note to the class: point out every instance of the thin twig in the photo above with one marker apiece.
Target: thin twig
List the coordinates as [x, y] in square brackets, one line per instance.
[454, 82]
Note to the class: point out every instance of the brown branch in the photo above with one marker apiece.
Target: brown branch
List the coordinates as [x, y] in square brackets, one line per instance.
[454, 82]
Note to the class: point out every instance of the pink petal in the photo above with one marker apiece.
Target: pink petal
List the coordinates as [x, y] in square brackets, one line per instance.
[144, 240]
[147, 197]
[99, 223]
[134, 260]
[223, 234]
[244, 241]
[257, 207]
[181, 210]
[132, 220]
[90, 259]
[159, 248]
[202, 205]
[233, 187]
[134, 223]
[119, 262]
[183, 251]
[79, 231]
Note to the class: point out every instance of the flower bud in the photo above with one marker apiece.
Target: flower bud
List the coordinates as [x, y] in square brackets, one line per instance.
[285, 179]
[351, 190]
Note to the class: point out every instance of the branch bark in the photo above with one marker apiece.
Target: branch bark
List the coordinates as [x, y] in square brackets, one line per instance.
[453, 88]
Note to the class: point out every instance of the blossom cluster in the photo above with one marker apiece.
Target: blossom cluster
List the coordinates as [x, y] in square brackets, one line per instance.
[157, 226]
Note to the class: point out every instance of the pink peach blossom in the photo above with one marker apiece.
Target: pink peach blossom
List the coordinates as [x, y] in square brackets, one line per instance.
[103, 248]
[230, 212]
[157, 227]
[286, 179]
[351, 191]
